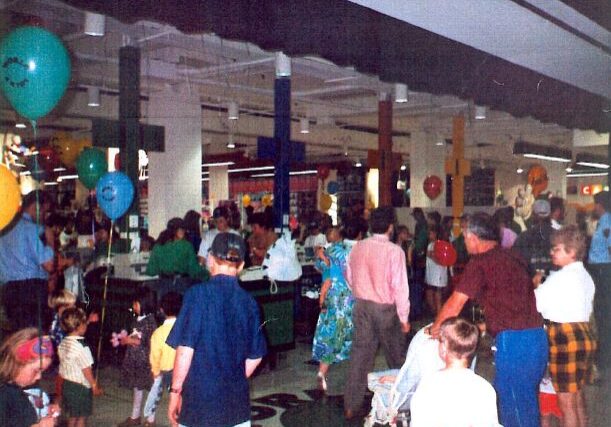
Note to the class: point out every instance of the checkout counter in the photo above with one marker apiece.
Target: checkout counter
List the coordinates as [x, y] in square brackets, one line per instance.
[281, 303]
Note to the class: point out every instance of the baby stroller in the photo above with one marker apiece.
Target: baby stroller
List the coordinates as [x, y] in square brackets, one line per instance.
[391, 401]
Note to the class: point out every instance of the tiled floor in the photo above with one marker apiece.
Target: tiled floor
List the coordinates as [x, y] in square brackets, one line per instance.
[287, 396]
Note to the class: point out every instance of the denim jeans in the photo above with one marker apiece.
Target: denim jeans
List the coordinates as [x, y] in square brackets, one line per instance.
[161, 381]
[521, 359]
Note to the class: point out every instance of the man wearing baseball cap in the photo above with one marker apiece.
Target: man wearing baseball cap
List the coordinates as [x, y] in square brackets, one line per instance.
[219, 342]
[221, 216]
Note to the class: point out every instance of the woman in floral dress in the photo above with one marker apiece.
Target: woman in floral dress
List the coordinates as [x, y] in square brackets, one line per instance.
[333, 337]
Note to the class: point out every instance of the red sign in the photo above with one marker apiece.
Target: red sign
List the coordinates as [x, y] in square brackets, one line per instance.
[591, 189]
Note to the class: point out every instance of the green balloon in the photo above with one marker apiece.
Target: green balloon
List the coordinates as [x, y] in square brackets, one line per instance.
[90, 166]
[34, 70]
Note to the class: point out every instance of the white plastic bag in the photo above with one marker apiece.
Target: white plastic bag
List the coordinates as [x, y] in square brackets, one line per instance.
[281, 261]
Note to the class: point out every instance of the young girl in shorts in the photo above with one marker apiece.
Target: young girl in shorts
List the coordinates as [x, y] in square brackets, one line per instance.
[136, 368]
[436, 275]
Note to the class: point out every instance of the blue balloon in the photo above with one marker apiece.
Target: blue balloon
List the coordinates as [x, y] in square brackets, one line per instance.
[115, 193]
[332, 187]
[34, 70]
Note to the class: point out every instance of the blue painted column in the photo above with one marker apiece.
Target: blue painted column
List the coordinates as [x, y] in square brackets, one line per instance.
[282, 161]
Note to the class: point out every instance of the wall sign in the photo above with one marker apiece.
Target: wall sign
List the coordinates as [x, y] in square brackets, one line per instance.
[591, 189]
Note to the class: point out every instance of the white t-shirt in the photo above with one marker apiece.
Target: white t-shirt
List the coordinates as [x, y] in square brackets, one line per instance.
[455, 397]
[567, 295]
[207, 240]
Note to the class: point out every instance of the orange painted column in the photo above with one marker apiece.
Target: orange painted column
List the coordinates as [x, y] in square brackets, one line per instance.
[385, 149]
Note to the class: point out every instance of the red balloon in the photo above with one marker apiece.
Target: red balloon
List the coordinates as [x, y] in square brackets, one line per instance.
[444, 253]
[48, 159]
[432, 186]
[323, 172]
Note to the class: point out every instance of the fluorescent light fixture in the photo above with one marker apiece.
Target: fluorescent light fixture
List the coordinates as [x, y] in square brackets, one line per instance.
[584, 174]
[205, 179]
[403, 167]
[544, 157]
[93, 96]
[20, 125]
[358, 164]
[60, 169]
[66, 177]
[440, 143]
[252, 169]
[218, 164]
[519, 170]
[283, 65]
[591, 161]
[306, 172]
[51, 183]
[230, 142]
[292, 173]
[480, 112]
[400, 93]
[25, 173]
[542, 152]
[304, 125]
[233, 113]
[94, 24]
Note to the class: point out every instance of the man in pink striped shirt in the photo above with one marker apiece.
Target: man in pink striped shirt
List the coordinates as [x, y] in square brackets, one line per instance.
[377, 275]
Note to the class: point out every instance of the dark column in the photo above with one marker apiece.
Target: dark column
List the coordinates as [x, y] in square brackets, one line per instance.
[129, 119]
[129, 110]
[282, 162]
[385, 150]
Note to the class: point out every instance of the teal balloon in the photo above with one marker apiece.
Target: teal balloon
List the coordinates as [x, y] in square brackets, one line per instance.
[34, 70]
[91, 165]
[115, 193]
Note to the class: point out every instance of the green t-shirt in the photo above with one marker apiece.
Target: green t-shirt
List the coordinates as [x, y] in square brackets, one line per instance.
[175, 257]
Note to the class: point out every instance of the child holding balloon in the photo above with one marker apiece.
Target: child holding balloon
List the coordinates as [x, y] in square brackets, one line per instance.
[436, 275]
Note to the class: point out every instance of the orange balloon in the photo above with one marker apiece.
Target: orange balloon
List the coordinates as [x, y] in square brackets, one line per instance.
[325, 202]
[267, 200]
[10, 196]
[68, 148]
[537, 178]
[246, 200]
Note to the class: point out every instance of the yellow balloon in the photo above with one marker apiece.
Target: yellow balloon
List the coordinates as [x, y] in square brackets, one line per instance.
[246, 200]
[10, 196]
[325, 202]
[266, 200]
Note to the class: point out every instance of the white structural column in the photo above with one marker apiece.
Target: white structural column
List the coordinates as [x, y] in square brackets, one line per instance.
[219, 185]
[175, 176]
[426, 159]
[556, 173]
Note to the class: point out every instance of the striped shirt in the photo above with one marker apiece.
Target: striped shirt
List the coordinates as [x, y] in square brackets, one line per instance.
[74, 356]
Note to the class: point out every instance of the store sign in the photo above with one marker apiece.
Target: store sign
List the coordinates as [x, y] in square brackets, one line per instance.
[591, 189]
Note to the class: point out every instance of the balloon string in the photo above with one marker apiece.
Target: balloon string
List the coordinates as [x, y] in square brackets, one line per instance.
[103, 315]
[38, 251]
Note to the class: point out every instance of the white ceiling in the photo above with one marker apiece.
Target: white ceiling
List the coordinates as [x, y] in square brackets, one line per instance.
[339, 102]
